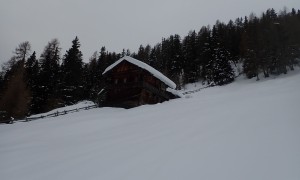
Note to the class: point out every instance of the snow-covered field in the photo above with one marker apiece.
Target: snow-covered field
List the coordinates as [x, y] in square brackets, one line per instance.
[247, 130]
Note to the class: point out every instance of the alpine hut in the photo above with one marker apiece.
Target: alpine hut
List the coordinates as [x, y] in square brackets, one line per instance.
[130, 83]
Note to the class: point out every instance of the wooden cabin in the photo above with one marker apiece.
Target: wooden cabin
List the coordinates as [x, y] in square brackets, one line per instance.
[131, 83]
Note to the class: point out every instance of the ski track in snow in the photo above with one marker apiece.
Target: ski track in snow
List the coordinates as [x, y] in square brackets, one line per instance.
[246, 130]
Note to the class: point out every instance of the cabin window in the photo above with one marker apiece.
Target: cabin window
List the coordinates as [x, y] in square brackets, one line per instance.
[116, 81]
[124, 80]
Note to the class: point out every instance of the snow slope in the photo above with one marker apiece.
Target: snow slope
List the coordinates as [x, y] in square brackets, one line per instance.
[243, 131]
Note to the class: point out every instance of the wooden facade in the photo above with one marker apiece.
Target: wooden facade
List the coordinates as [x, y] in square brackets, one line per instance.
[128, 85]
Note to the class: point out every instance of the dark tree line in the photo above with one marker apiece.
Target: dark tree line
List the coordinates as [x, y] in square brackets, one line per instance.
[262, 45]
[265, 45]
[30, 85]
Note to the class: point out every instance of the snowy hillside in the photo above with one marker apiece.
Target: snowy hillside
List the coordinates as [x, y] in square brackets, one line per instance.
[247, 130]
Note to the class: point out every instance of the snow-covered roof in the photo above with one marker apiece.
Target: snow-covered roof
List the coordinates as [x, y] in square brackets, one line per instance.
[145, 66]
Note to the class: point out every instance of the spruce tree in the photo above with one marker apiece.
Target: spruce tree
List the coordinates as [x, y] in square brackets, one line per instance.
[191, 67]
[92, 77]
[219, 69]
[1, 83]
[72, 69]
[48, 93]
[250, 47]
[144, 54]
[141, 54]
[174, 59]
[32, 77]
[102, 64]
[155, 57]
[204, 52]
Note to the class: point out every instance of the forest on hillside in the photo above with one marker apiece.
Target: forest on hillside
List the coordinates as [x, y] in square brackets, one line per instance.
[263, 46]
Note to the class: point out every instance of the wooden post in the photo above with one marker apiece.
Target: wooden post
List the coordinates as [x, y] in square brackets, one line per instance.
[11, 120]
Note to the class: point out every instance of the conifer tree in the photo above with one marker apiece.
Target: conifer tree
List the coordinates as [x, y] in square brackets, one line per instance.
[191, 67]
[87, 78]
[155, 57]
[92, 77]
[232, 41]
[102, 64]
[174, 59]
[141, 54]
[250, 48]
[204, 52]
[1, 83]
[72, 69]
[144, 53]
[32, 79]
[123, 54]
[48, 90]
[219, 69]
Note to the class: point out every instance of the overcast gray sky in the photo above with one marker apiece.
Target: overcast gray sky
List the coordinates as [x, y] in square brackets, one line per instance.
[116, 24]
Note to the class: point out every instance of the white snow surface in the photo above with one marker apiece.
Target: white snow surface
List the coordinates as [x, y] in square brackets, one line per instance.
[145, 66]
[247, 130]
